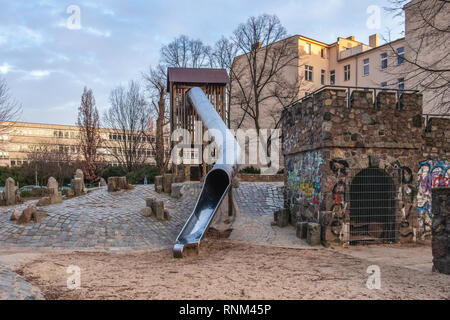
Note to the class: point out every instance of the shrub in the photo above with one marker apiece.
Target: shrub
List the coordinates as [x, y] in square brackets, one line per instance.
[251, 170]
[135, 176]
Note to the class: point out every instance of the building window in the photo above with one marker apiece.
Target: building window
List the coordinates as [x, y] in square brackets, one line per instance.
[332, 77]
[400, 55]
[347, 72]
[322, 76]
[308, 48]
[308, 73]
[366, 67]
[384, 85]
[384, 62]
[322, 53]
[401, 84]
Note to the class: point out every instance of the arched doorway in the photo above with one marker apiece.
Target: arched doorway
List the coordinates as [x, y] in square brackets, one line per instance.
[372, 207]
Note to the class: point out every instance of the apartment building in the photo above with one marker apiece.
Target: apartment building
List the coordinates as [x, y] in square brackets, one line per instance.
[346, 62]
[350, 62]
[18, 140]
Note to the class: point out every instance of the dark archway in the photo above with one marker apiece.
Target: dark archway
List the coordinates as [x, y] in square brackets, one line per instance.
[372, 207]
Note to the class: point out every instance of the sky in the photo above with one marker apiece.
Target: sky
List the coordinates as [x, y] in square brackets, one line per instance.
[49, 52]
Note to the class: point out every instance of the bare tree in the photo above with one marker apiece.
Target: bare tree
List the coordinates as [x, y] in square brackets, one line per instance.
[222, 56]
[258, 74]
[427, 56]
[184, 52]
[90, 138]
[128, 118]
[50, 160]
[9, 108]
[156, 82]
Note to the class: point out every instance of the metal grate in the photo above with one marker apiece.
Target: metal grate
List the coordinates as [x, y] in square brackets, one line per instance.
[373, 207]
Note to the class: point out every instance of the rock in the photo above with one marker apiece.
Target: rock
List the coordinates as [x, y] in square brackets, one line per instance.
[147, 212]
[10, 192]
[52, 185]
[159, 184]
[116, 184]
[77, 186]
[167, 183]
[176, 190]
[27, 214]
[15, 215]
[149, 202]
[158, 209]
[282, 218]
[70, 193]
[38, 216]
[79, 174]
[46, 201]
[166, 215]
[302, 230]
[313, 237]
[52, 188]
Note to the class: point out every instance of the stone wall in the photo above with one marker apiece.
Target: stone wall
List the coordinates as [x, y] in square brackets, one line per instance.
[441, 230]
[327, 144]
[437, 138]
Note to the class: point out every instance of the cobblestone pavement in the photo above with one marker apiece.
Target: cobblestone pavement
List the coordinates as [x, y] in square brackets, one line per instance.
[112, 222]
[14, 287]
[257, 202]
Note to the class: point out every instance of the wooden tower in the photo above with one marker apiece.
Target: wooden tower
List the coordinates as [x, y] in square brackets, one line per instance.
[183, 115]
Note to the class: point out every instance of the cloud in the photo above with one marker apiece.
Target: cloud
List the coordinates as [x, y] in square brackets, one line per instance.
[96, 32]
[39, 73]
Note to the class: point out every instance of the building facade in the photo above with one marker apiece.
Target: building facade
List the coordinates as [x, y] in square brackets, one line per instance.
[19, 140]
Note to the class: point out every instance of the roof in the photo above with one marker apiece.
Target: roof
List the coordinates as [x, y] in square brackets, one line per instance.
[197, 75]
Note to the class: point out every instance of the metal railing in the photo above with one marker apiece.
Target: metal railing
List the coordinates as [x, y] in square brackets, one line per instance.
[349, 90]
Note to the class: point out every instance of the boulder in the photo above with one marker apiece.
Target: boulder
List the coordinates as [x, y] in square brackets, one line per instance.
[158, 209]
[27, 215]
[116, 184]
[79, 174]
[314, 231]
[77, 186]
[45, 201]
[147, 212]
[15, 215]
[52, 188]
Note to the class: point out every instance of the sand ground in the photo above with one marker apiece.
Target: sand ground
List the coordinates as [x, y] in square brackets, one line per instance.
[228, 269]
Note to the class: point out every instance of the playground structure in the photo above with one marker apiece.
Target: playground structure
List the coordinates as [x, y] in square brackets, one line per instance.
[183, 116]
[218, 180]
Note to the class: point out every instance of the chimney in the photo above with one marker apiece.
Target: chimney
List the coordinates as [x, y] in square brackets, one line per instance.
[256, 46]
[374, 40]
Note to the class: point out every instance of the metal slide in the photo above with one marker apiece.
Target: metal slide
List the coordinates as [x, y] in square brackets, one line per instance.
[218, 180]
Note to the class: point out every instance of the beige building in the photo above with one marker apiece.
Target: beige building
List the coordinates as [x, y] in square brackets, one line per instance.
[350, 62]
[346, 62]
[19, 140]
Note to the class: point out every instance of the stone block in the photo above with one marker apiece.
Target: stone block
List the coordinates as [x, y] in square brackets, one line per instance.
[167, 184]
[313, 236]
[159, 184]
[116, 184]
[147, 212]
[302, 230]
[10, 192]
[149, 202]
[27, 215]
[15, 215]
[158, 210]
[282, 218]
[176, 190]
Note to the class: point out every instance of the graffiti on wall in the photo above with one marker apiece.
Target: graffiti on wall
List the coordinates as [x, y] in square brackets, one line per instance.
[339, 169]
[304, 178]
[432, 174]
